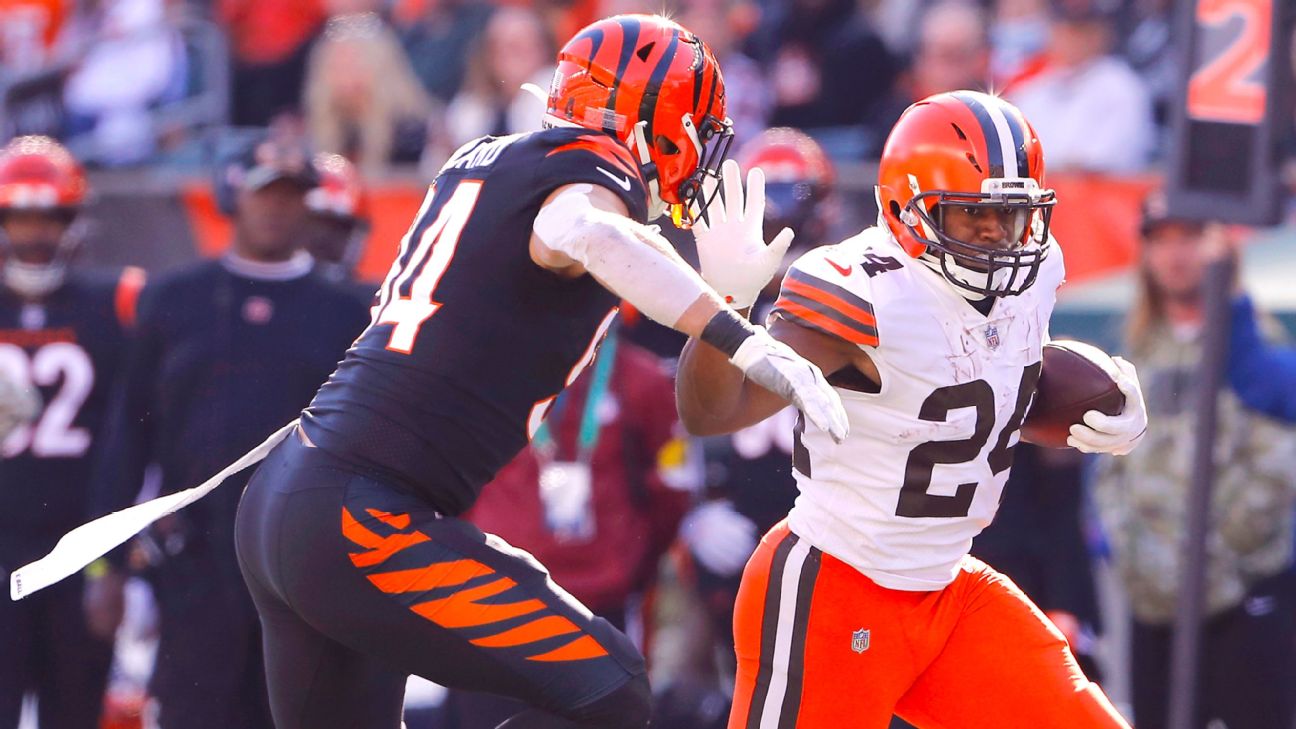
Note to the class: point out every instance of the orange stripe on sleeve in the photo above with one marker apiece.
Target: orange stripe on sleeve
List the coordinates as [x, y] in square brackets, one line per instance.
[819, 321]
[830, 300]
[606, 149]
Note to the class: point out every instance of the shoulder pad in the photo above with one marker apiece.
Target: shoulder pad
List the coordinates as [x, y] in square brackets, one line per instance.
[582, 155]
[828, 290]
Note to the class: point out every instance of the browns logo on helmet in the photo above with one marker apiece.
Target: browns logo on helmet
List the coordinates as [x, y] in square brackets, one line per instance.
[39, 181]
[657, 88]
[971, 151]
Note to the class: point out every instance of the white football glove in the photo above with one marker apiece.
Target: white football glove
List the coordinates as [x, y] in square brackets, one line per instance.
[721, 539]
[1114, 434]
[731, 247]
[20, 403]
[779, 369]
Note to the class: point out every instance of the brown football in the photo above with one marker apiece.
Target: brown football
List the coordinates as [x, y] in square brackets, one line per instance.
[1074, 379]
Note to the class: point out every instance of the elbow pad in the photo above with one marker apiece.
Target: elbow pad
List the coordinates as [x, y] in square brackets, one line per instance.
[630, 259]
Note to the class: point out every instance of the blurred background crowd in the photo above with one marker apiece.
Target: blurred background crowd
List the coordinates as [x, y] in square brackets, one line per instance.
[398, 82]
[256, 161]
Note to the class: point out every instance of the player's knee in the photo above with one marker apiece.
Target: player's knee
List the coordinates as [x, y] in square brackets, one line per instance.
[627, 707]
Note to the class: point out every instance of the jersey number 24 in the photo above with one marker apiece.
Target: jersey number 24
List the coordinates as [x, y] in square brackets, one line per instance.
[915, 501]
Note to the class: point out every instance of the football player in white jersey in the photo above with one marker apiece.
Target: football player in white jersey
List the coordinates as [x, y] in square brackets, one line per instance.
[865, 602]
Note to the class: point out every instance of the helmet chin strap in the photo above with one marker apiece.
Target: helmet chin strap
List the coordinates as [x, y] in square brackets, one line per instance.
[31, 280]
[657, 207]
[979, 279]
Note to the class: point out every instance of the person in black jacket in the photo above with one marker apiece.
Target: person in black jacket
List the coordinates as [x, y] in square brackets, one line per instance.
[227, 351]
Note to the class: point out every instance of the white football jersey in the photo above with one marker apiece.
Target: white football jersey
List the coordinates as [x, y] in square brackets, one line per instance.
[923, 469]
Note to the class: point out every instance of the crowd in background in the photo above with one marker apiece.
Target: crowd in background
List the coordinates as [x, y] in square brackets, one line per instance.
[402, 81]
[658, 544]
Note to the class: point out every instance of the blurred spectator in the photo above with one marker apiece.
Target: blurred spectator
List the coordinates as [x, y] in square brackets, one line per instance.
[724, 25]
[896, 21]
[1090, 109]
[135, 60]
[514, 49]
[362, 99]
[953, 50]
[1019, 37]
[270, 40]
[596, 498]
[1148, 48]
[337, 211]
[438, 36]
[227, 351]
[63, 331]
[30, 32]
[1247, 660]
[565, 18]
[814, 51]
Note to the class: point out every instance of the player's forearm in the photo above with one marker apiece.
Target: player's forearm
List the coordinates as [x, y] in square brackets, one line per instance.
[629, 259]
[710, 391]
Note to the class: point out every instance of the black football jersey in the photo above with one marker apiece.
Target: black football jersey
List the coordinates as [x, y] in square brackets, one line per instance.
[69, 346]
[471, 340]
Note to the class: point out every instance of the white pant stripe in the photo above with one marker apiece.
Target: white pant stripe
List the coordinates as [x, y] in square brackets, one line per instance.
[770, 712]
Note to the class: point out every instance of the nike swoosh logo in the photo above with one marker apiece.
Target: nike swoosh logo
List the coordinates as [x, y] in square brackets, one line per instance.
[843, 270]
[622, 181]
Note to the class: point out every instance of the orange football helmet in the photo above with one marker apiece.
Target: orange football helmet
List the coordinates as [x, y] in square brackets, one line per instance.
[655, 86]
[38, 175]
[970, 150]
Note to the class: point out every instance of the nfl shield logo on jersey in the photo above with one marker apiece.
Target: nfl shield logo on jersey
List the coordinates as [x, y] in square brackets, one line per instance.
[860, 640]
[992, 336]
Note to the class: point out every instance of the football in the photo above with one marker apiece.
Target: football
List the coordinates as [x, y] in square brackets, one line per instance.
[1074, 379]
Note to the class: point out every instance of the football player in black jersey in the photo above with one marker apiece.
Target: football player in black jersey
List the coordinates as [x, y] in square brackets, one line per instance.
[63, 332]
[497, 299]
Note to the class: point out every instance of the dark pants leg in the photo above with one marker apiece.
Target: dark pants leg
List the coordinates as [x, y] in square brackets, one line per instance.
[46, 648]
[209, 672]
[73, 664]
[1246, 667]
[362, 581]
[1150, 666]
[475, 710]
[17, 643]
[1250, 657]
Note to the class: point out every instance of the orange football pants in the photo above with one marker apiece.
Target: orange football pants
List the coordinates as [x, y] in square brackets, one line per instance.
[821, 646]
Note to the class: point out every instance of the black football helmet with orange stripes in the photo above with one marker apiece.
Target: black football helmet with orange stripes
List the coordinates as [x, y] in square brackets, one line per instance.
[657, 88]
[972, 151]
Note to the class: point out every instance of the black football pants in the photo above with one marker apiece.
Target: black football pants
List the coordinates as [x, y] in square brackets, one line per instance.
[360, 583]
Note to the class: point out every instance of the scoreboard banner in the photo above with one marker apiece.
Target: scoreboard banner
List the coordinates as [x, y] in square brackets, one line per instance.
[1233, 111]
